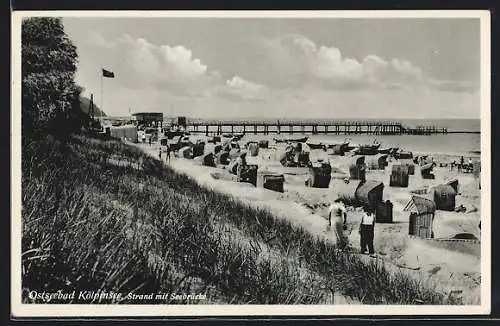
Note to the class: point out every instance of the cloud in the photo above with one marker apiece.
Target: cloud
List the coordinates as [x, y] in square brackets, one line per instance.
[292, 73]
[163, 63]
[182, 59]
[368, 103]
[453, 86]
[97, 39]
[174, 69]
[299, 62]
[238, 88]
[401, 72]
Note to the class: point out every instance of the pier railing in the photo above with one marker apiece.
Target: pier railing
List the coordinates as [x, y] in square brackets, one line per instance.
[335, 127]
[306, 126]
[426, 130]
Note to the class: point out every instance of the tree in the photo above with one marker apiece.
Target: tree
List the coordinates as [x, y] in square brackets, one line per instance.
[50, 101]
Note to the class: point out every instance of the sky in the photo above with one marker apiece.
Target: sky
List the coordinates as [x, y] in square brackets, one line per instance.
[288, 68]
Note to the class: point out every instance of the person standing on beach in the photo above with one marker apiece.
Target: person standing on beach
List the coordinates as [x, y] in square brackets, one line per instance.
[461, 166]
[168, 153]
[367, 230]
[339, 212]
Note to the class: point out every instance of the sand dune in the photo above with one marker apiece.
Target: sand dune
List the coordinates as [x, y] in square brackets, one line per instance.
[451, 270]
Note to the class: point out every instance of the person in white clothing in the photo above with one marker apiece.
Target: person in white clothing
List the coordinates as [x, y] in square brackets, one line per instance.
[339, 213]
[366, 230]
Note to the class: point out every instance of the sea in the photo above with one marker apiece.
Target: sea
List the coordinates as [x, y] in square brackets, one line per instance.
[466, 144]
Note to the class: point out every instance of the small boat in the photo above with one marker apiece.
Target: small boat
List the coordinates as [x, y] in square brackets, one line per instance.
[388, 150]
[316, 145]
[292, 140]
[348, 146]
[351, 147]
[238, 136]
[367, 149]
[339, 148]
[172, 133]
[235, 137]
[394, 150]
[404, 155]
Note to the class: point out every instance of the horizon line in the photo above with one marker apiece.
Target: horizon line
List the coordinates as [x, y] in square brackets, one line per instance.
[287, 118]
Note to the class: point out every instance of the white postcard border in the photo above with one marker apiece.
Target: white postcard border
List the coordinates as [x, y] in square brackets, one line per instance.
[76, 310]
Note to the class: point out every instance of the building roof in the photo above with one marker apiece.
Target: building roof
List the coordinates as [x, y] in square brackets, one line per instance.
[148, 115]
[453, 183]
[444, 189]
[369, 185]
[427, 167]
[420, 205]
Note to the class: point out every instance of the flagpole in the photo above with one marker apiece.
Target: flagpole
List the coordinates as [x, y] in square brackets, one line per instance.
[102, 87]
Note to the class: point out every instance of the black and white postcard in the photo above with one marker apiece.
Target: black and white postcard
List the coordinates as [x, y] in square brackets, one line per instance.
[170, 163]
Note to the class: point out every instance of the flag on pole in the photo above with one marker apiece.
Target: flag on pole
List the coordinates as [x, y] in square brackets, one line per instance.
[108, 74]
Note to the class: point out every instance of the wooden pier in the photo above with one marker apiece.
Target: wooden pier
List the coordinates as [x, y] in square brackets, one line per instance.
[346, 127]
[426, 130]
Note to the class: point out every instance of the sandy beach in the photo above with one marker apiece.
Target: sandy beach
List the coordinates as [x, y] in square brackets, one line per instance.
[453, 268]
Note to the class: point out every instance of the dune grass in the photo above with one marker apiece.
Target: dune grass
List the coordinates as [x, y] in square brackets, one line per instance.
[140, 227]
